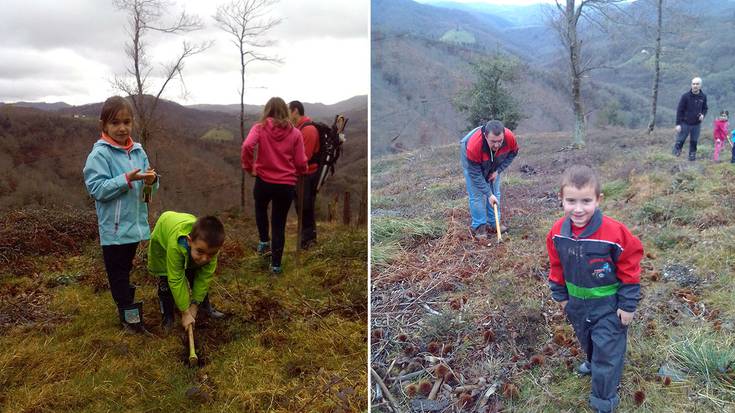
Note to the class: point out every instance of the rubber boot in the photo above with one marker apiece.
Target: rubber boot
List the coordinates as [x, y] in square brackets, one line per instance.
[166, 305]
[210, 310]
[131, 317]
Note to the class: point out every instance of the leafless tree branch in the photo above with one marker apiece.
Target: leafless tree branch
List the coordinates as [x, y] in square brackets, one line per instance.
[144, 16]
[248, 21]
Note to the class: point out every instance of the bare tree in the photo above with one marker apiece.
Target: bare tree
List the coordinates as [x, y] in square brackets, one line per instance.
[145, 16]
[656, 65]
[566, 22]
[248, 22]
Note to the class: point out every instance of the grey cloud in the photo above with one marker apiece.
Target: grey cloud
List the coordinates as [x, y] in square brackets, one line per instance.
[36, 89]
[42, 24]
[323, 18]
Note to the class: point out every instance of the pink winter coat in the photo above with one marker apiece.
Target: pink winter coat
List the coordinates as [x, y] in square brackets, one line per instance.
[720, 130]
[281, 155]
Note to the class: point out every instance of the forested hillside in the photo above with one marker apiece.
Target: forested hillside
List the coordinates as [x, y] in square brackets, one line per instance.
[422, 55]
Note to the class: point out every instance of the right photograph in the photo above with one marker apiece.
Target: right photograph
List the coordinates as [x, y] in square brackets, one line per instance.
[550, 198]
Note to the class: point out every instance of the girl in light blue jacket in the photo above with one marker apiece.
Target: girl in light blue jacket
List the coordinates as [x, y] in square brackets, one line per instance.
[121, 191]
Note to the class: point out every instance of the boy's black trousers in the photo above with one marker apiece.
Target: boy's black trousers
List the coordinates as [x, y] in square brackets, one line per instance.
[166, 298]
[118, 263]
[603, 337]
[280, 195]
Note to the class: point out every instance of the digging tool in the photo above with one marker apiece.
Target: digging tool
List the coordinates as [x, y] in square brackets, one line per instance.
[193, 359]
[497, 221]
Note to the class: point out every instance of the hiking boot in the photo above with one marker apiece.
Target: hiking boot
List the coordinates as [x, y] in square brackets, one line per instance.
[492, 231]
[692, 156]
[480, 231]
[584, 369]
[275, 270]
[264, 247]
[676, 151]
[131, 318]
[209, 309]
[305, 245]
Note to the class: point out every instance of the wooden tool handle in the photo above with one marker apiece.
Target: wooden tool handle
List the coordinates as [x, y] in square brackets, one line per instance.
[497, 219]
[192, 351]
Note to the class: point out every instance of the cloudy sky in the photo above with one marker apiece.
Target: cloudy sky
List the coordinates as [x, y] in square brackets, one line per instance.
[71, 50]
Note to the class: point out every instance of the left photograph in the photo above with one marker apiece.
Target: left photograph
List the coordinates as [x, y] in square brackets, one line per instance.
[183, 206]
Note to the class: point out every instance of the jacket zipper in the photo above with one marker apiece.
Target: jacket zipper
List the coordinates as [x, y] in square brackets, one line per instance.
[117, 215]
[137, 202]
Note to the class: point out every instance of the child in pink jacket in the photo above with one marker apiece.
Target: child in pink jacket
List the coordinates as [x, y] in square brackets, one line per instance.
[719, 131]
[280, 159]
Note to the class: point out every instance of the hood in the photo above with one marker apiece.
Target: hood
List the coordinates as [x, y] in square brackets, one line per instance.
[276, 132]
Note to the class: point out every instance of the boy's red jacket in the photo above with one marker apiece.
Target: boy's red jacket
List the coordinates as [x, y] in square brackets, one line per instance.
[311, 141]
[601, 259]
[281, 154]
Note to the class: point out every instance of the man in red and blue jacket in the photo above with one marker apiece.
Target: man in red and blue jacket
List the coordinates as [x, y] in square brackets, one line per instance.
[486, 152]
[595, 276]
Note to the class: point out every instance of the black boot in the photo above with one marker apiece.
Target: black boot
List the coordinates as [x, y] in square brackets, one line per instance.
[166, 304]
[131, 317]
[210, 310]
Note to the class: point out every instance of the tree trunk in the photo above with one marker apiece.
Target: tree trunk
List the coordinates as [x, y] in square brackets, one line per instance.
[242, 122]
[580, 129]
[657, 68]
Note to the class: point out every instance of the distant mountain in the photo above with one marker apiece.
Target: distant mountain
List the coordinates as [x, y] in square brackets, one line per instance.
[416, 73]
[39, 105]
[316, 110]
[504, 14]
[198, 175]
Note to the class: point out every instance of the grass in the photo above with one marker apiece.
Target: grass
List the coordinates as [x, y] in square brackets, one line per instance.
[218, 134]
[391, 229]
[709, 360]
[292, 342]
[679, 210]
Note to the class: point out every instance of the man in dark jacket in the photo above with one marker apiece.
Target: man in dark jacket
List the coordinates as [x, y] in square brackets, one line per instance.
[689, 115]
[486, 151]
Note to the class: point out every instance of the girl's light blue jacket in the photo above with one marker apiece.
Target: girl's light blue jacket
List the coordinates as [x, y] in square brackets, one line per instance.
[122, 216]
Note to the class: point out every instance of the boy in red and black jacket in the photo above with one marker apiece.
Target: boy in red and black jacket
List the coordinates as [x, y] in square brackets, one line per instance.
[595, 276]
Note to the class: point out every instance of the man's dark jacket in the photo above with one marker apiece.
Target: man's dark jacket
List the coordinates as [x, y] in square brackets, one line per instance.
[690, 107]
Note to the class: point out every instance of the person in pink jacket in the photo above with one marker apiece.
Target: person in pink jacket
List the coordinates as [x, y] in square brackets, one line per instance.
[719, 131]
[280, 159]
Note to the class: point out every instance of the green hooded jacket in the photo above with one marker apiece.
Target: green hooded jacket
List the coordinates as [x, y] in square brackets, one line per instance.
[168, 257]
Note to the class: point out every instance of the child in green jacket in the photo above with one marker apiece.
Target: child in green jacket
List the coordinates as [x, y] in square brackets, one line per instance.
[183, 253]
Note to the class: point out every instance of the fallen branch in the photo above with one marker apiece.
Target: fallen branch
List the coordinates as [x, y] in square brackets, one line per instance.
[388, 394]
[435, 389]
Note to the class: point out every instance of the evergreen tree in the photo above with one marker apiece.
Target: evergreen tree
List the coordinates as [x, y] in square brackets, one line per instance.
[490, 96]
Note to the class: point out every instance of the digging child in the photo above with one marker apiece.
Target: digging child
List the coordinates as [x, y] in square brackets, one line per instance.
[113, 177]
[183, 254]
[595, 276]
